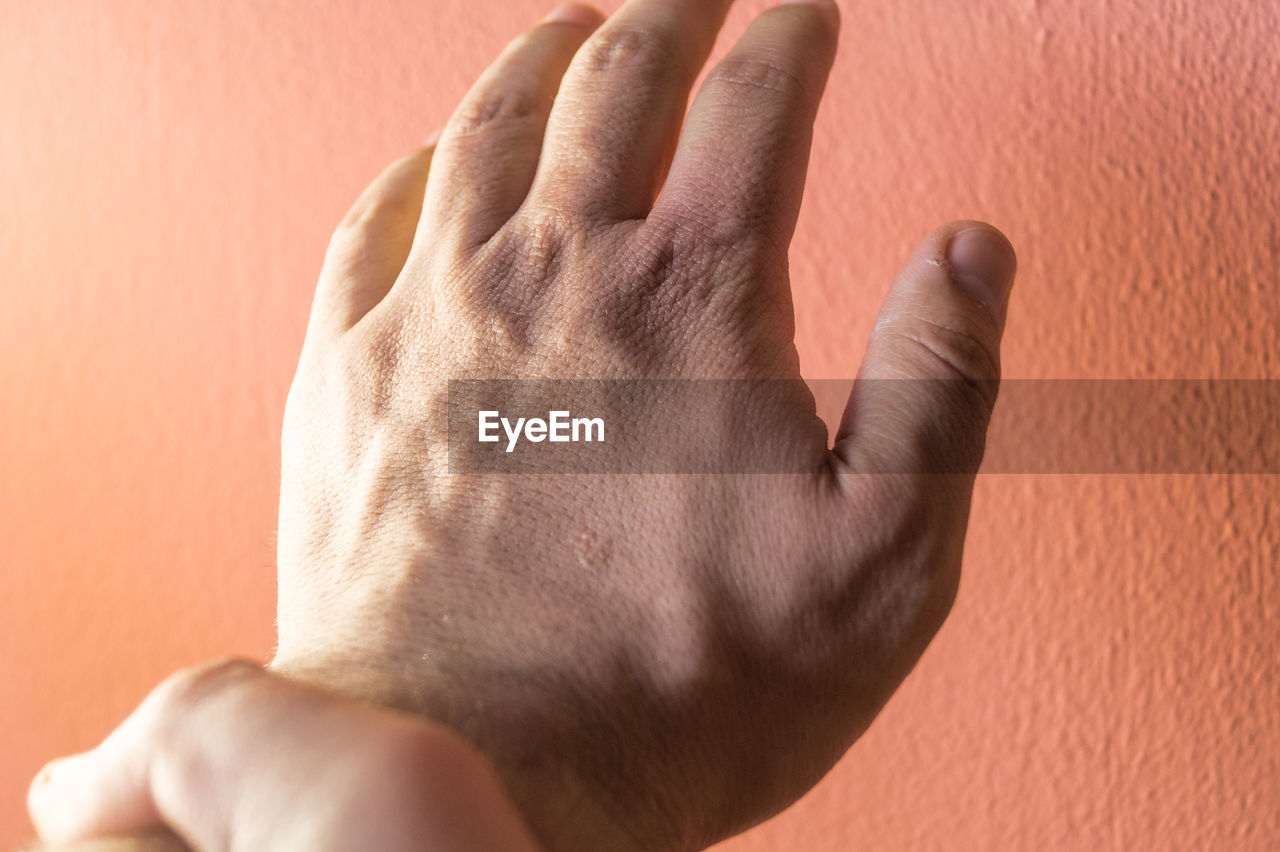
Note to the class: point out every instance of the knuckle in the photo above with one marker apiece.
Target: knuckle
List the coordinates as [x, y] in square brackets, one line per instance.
[190, 686]
[394, 197]
[752, 76]
[493, 110]
[543, 230]
[713, 233]
[355, 223]
[175, 731]
[172, 704]
[743, 224]
[670, 263]
[638, 315]
[630, 48]
[745, 227]
[959, 354]
[368, 217]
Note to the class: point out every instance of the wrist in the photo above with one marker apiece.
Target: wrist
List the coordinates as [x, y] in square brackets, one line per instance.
[560, 809]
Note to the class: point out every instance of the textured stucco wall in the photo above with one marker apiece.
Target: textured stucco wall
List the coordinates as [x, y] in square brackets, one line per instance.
[1110, 677]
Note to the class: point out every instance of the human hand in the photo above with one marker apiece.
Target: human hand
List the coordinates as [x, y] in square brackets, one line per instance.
[226, 755]
[651, 661]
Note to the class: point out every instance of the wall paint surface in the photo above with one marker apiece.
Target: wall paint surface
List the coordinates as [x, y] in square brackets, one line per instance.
[1110, 676]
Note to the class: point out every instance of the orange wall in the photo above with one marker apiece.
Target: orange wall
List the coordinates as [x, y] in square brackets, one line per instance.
[1110, 677]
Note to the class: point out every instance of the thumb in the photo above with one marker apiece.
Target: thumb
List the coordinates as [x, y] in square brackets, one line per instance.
[928, 383]
[228, 755]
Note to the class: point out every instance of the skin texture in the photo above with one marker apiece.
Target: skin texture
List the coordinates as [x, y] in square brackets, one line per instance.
[609, 643]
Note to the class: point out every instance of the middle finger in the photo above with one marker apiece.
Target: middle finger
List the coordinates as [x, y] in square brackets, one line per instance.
[619, 109]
